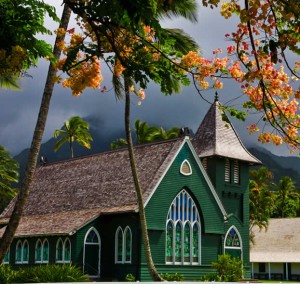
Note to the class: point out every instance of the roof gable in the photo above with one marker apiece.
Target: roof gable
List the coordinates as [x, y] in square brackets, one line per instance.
[168, 164]
[216, 137]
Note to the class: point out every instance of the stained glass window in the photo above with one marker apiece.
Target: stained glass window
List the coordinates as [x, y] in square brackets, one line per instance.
[232, 239]
[186, 243]
[169, 245]
[183, 232]
[232, 243]
[196, 243]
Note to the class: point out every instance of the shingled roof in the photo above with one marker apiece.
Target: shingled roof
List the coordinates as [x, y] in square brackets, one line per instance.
[280, 243]
[216, 137]
[91, 185]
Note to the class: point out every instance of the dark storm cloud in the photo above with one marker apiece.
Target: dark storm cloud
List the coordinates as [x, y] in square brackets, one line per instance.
[18, 110]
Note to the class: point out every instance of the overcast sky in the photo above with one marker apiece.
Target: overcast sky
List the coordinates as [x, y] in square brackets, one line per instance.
[19, 109]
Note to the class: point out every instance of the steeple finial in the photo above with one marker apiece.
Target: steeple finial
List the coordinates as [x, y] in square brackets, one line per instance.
[216, 97]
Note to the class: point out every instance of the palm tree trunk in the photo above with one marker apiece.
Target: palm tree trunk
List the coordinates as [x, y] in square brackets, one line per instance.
[151, 267]
[22, 197]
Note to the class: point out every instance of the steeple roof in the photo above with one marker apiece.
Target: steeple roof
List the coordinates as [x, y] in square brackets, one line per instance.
[216, 137]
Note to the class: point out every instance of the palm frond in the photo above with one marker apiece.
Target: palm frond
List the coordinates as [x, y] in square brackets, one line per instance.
[178, 8]
[183, 42]
[9, 82]
[118, 87]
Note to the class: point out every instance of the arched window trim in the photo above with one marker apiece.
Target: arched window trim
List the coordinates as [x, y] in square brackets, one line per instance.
[239, 236]
[127, 229]
[19, 246]
[37, 244]
[42, 246]
[188, 213]
[23, 257]
[22, 246]
[63, 245]
[57, 259]
[186, 162]
[123, 246]
[119, 231]
[87, 234]
[67, 240]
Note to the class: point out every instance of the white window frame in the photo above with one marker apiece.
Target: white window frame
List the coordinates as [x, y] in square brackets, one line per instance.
[186, 162]
[22, 261]
[63, 260]
[123, 247]
[42, 251]
[240, 240]
[187, 214]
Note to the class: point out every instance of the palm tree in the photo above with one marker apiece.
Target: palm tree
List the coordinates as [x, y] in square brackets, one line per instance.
[35, 144]
[146, 133]
[183, 45]
[165, 134]
[75, 129]
[286, 198]
[261, 201]
[8, 175]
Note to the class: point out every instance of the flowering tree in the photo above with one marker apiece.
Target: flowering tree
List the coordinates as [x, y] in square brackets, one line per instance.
[20, 47]
[140, 50]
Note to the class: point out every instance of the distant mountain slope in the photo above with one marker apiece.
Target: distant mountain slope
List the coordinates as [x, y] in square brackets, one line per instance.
[103, 136]
[280, 166]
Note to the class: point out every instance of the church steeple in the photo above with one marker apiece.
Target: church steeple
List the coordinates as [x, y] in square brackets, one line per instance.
[216, 136]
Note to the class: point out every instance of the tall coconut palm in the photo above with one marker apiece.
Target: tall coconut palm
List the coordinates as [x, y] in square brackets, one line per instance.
[174, 85]
[75, 130]
[8, 176]
[22, 196]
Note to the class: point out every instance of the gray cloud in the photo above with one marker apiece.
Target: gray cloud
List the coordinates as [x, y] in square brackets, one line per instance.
[18, 110]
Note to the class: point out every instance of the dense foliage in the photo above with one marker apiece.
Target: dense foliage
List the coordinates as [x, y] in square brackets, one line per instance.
[42, 274]
[21, 23]
[8, 177]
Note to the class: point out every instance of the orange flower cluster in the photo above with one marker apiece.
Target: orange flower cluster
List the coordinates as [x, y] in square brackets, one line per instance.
[86, 71]
[12, 62]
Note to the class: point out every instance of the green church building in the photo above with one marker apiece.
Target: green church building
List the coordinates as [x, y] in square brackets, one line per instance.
[84, 210]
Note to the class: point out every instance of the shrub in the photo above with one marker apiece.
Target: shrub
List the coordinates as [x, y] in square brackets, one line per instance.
[172, 277]
[43, 273]
[7, 274]
[130, 278]
[229, 269]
